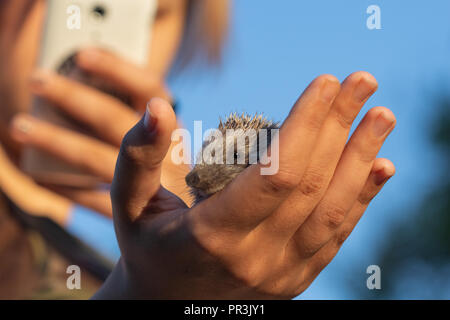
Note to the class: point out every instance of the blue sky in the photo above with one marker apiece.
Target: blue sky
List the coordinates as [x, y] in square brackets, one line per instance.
[275, 50]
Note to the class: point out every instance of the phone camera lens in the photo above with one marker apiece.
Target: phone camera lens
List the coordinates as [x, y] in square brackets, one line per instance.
[99, 12]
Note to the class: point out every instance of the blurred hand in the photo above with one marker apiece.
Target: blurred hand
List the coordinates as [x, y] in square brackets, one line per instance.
[262, 236]
[29, 196]
[106, 116]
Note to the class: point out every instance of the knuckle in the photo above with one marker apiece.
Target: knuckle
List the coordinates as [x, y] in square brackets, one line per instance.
[312, 183]
[343, 120]
[281, 182]
[367, 156]
[366, 151]
[342, 235]
[248, 274]
[129, 152]
[366, 197]
[306, 250]
[333, 216]
[312, 122]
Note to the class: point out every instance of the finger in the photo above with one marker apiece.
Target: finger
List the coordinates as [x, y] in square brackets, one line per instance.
[29, 196]
[125, 76]
[97, 200]
[95, 109]
[78, 150]
[355, 91]
[251, 197]
[138, 170]
[13, 19]
[172, 177]
[382, 171]
[348, 181]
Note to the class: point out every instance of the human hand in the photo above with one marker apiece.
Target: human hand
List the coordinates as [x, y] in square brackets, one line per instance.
[28, 195]
[263, 236]
[106, 116]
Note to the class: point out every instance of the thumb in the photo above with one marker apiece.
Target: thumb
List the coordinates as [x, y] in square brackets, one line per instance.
[138, 168]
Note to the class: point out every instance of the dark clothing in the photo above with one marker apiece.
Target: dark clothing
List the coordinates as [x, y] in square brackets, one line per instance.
[32, 268]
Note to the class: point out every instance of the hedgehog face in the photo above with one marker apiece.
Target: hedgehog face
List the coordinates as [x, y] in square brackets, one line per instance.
[205, 180]
[227, 152]
[221, 160]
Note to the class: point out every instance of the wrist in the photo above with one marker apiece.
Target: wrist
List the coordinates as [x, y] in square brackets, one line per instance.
[117, 285]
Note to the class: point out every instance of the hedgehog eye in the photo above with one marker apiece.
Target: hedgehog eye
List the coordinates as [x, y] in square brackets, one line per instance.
[236, 155]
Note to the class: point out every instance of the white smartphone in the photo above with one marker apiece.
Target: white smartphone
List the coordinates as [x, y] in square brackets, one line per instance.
[120, 26]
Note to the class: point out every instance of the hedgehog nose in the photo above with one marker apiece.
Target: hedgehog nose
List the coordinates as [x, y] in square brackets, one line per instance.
[192, 179]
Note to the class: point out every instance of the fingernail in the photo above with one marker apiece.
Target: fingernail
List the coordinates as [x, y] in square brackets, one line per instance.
[363, 90]
[89, 56]
[329, 91]
[382, 124]
[22, 125]
[39, 80]
[149, 120]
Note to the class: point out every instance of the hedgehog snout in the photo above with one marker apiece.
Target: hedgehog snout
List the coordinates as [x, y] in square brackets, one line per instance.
[192, 179]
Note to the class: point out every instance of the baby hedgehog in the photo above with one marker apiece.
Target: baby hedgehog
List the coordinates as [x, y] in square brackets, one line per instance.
[211, 173]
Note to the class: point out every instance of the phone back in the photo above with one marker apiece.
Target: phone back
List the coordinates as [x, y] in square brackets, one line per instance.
[122, 26]
[119, 26]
